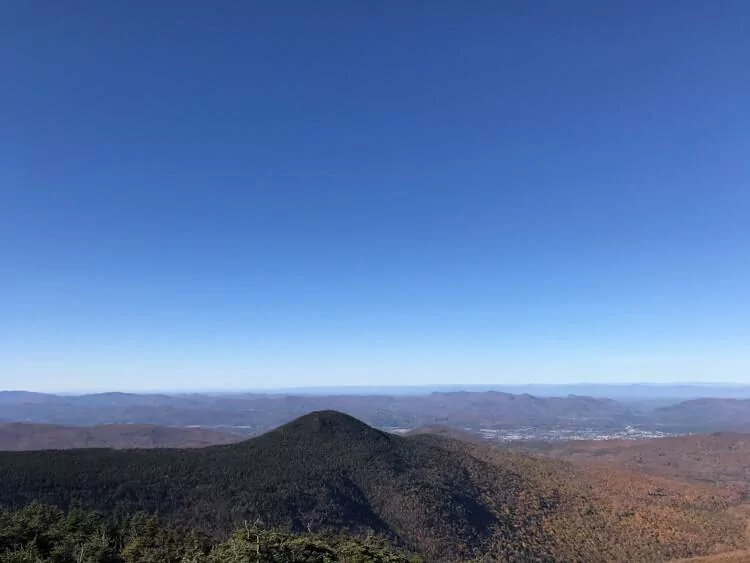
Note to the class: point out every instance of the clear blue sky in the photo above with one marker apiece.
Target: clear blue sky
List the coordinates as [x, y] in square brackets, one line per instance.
[248, 194]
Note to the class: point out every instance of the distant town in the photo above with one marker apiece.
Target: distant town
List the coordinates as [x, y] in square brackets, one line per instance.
[531, 433]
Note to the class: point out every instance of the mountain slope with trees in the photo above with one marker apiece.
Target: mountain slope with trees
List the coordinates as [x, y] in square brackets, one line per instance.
[328, 473]
[44, 533]
[720, 458]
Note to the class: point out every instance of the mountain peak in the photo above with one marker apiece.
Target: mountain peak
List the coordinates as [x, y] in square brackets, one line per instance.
[330, 423]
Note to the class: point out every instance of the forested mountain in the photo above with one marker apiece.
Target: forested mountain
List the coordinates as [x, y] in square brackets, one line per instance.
[328, 473]
[19, 436]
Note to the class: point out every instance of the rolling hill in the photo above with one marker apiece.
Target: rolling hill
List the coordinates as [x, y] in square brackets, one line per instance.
[327, 472]
[18, 436]
[720, 458]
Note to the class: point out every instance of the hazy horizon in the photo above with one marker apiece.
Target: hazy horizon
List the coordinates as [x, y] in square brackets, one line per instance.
[406, 389]
[248, 195]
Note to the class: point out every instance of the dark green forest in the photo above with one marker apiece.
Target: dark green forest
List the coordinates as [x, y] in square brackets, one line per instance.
[39, 533]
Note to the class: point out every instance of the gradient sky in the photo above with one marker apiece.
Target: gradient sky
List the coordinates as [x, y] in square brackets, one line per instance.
[266, 194]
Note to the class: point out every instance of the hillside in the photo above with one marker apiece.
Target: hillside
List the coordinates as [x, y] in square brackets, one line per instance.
[445, 432]
[329, 473]
[721, 458]
[19, 436]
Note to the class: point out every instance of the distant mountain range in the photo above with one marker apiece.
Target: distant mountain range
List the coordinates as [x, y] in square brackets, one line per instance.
[446, 499]
[255, 413]
[250, 414]
[626, 391]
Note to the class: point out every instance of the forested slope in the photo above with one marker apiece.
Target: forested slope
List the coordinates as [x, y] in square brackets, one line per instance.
[43, 533]
[327, 473]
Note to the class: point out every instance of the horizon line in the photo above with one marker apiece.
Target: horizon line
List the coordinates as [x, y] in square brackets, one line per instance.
[318, 388]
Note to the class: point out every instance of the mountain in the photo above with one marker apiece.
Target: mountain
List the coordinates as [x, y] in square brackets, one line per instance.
[708, 414]
[327, 472]
[19, 436]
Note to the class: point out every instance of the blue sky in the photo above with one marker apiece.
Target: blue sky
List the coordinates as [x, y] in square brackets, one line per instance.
[267, 194]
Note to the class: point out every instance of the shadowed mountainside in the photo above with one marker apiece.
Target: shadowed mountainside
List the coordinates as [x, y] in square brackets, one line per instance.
[328, 472]
[445, 432]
